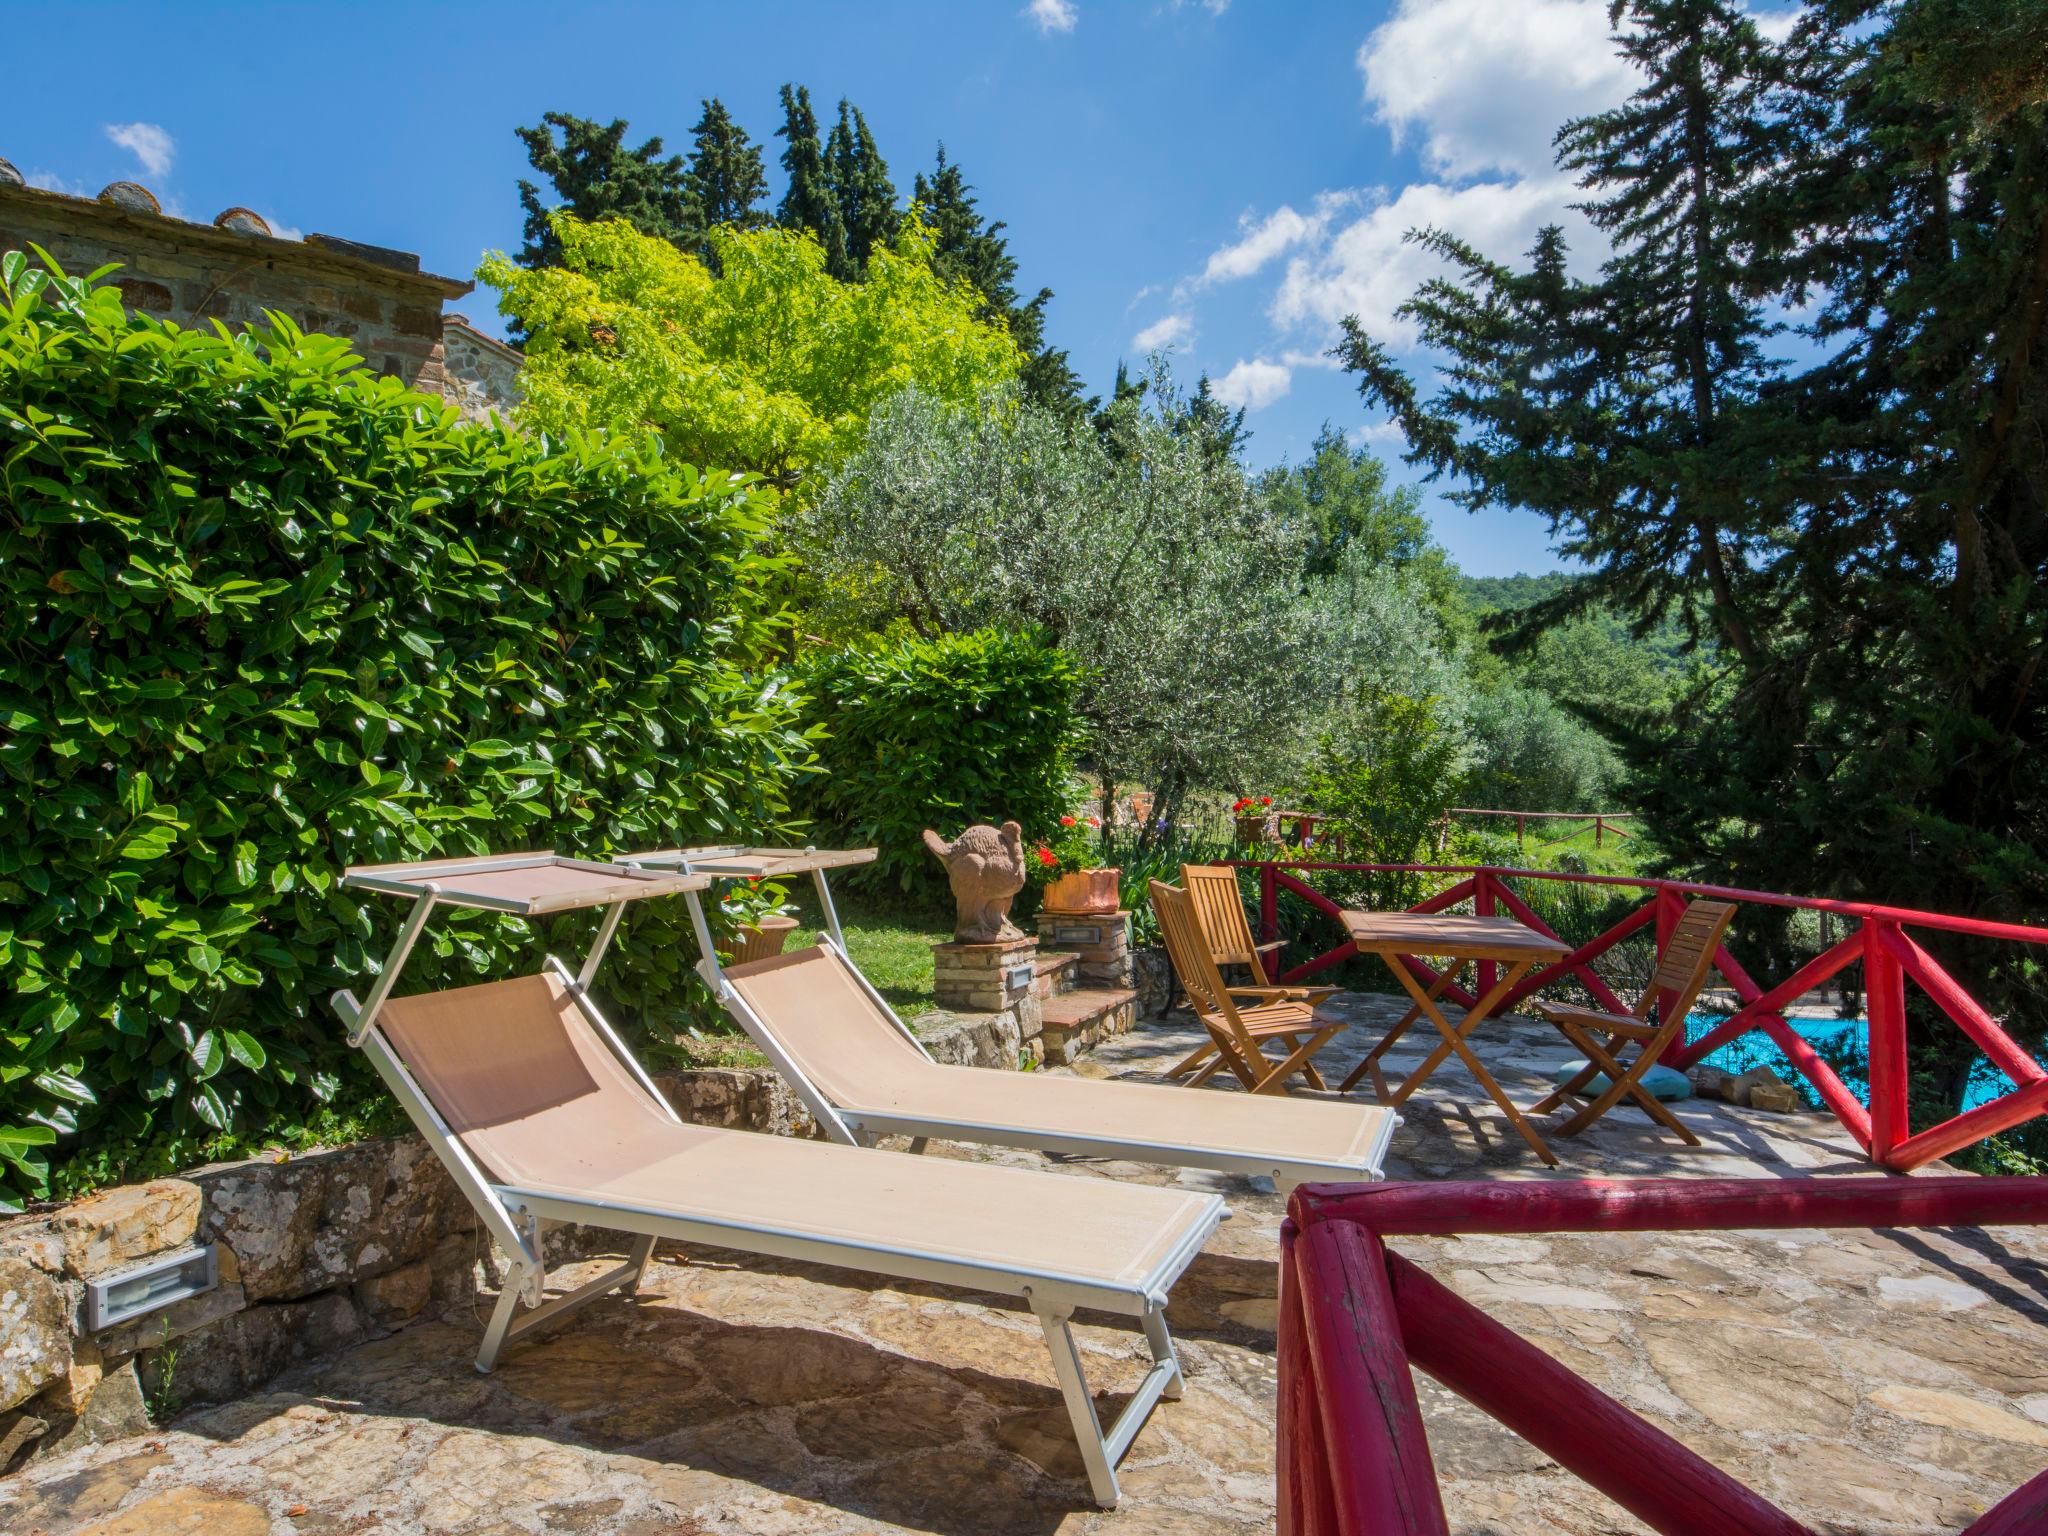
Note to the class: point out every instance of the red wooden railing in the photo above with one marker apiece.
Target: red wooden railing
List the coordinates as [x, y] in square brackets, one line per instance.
[1880, 943]
[1354, 1459]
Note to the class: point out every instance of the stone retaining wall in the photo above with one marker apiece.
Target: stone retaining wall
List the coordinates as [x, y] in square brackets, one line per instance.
[317, 1250]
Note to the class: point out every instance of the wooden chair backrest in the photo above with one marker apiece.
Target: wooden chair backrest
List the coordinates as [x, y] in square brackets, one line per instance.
[1189, 951]
[1688, 956]
[1220, 912]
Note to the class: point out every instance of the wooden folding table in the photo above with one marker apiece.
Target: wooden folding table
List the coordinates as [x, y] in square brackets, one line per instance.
[1458, 940]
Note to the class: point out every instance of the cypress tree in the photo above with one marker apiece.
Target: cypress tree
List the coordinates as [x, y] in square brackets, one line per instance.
[809, 201]
[595, 177]
[861, 185]
[725, 178]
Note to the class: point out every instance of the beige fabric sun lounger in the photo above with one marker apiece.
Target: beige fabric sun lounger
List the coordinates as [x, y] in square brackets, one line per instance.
[863, 1074]
[540, 1115]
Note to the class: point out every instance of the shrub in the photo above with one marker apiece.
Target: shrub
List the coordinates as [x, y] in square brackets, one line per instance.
[266, 616]
[938, 733]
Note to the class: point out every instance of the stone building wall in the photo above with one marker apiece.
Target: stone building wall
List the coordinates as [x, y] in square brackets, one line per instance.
[482, 373]
[234, 269]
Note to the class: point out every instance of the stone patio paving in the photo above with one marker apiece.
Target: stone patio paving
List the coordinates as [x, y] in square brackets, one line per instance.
[1878, 1383]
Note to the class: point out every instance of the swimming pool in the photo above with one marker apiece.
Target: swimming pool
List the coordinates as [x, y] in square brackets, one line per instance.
[1843, 1044]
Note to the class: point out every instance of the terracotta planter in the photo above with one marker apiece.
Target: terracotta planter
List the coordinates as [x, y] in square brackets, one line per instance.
[762, 940]
[1085, 890]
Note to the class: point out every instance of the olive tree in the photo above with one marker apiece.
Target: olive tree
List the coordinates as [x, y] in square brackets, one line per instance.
[1144, 553]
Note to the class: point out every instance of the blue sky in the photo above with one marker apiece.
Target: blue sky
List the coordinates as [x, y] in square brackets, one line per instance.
[1224, 179]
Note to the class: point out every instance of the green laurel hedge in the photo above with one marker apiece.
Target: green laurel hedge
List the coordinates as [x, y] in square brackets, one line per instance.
[266, 616]
[937, 733]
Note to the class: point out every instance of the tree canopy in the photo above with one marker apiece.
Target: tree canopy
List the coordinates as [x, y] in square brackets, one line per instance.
[774, 366]
[1858, 521]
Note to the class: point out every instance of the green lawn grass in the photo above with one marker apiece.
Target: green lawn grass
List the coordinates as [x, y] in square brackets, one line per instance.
[893, 949]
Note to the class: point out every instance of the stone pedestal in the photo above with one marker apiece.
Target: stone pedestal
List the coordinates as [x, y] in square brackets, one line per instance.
[1100, 942]
[983, 978]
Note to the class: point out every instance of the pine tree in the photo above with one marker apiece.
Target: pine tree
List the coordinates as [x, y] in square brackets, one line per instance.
[861, 185]
[968, 247]
[1220, 430]
[725, 178]
[595, 177]
[1859, 527]
[809, 201]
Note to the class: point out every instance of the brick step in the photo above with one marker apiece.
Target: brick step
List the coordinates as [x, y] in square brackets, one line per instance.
[1072, 1022]
[1084, 1005]
[1054, 973]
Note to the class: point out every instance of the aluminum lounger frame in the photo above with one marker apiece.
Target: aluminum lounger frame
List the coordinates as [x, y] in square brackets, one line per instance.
[515, 1216]
[861, 1128]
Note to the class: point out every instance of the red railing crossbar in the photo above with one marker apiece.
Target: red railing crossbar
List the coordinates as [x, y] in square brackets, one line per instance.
[1889, 957]
[1354, 1456]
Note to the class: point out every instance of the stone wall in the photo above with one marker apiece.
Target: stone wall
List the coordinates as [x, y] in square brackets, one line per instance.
[316, 1251]
[234, 269]
[481, 373]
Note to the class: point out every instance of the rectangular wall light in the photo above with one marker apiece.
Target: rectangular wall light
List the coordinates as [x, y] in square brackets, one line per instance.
[150, 1287]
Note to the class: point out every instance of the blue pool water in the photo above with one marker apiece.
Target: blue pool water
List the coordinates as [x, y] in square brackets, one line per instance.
[1843, 1044]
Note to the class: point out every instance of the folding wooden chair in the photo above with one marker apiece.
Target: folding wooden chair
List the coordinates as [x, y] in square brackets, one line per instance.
[1235, 1033]
[1220, 912]
[1680, 974]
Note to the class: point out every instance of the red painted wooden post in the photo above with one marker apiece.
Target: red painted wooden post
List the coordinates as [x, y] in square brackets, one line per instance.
[2023, 1512]
[1376, 1452]
[1307, 1503]
[1599, 830]
[2001, 1114]
[2006, 1053]
[1482, 906]
[1884, 988]
[1671, 1205]
[1653, 1476]
[1269, 918]
[1521, 830]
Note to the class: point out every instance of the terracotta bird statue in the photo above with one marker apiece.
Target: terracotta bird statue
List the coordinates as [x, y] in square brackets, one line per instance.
[986, 867]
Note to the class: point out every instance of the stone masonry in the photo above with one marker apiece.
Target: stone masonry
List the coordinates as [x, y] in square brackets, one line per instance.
[317, 1250]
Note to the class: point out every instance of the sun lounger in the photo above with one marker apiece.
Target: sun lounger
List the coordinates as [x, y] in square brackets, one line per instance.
[540, 1114]
[863, 1074]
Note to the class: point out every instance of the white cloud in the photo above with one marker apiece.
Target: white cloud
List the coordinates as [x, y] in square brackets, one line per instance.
[147, 143]
[1382, 437]
[1487, 82]
[1167, 331]
[1053, 15]
[1277, 233]
[1369, 269]
[282, 230]
[1213, 7]
[1253, 383]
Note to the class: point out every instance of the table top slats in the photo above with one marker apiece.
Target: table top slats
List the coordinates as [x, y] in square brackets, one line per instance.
[1451, 936]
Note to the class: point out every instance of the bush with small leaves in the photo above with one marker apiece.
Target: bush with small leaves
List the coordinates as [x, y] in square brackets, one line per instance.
[938, 733]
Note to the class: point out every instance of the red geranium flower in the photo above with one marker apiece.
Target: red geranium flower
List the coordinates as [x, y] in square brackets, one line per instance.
[1094, 821]
[1046, 855]
[1265, 799]
[1066, 821]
